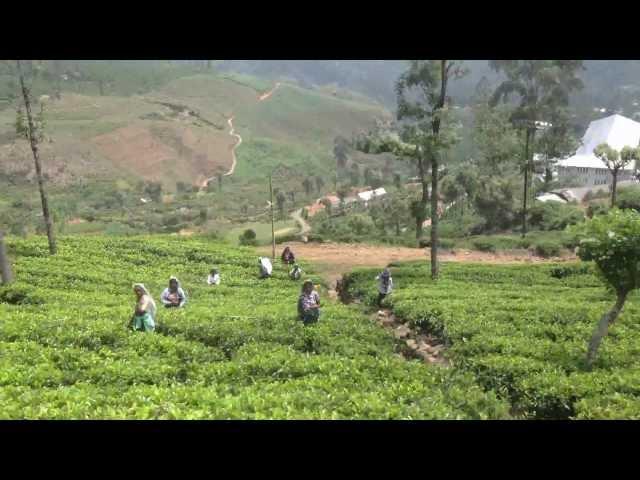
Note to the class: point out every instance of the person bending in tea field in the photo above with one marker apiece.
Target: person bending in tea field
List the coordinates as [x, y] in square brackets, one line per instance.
[265, 267]
[287, 256]
[214, 277]
[385, 285]
[308, 304]
[296, 272]
[173, 296]
[143, 319]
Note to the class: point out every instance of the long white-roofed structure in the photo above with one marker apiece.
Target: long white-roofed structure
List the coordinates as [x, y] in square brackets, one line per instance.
[587, 169]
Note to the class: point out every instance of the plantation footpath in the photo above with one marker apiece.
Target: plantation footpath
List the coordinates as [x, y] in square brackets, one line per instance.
[522, 331]
[236, 351]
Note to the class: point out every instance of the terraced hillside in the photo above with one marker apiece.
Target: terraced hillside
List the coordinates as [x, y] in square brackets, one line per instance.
[235, 351]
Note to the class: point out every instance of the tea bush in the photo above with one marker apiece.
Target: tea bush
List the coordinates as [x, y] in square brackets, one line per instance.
[522, 331]
[236, 351]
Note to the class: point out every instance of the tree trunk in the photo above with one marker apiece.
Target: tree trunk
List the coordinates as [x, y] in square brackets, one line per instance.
[614, 187]
[603, 326]
[423, 201]
[526, 183]
[434, 174]
[5, 266]
[434, 219]
[34, 148]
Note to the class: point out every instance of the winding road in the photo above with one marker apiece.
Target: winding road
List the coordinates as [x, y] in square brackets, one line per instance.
[238, 138]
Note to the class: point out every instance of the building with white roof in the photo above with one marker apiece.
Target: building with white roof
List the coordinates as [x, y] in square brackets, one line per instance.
[370, 194]
[589, 170]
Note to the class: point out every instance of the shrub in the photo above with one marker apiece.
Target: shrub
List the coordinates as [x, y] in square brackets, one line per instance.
[484, 245]
[248, 238]
[629, 198]
[554, 215]
[547, 249]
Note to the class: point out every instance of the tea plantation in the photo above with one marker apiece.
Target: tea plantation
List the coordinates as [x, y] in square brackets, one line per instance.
[235, 351]
[522, 331]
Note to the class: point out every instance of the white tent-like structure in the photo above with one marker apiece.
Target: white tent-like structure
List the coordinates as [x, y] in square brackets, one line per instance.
[589, 170]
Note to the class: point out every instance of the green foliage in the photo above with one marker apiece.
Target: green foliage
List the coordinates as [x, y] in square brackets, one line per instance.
[629, 198]
[234, 352]
[554, 215]
[248, 237]
[484, 245]
[612, 241]
[548, 249]
[521, 330]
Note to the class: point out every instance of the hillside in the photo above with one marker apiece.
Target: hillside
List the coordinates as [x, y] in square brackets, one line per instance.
[180, 131]
[236, 351]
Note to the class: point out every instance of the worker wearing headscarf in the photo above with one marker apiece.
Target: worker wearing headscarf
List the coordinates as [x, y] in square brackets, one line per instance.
[145, 312]
[173, 296]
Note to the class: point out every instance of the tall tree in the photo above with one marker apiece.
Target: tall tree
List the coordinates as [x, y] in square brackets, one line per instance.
[616, 161]
[495, 139]
[422, 107]
[556, 141]
[280, 200]
[307, 184]
[541, 87]
[340, 146]
[35, 137]
[354, 174]
[397, 181]
[342, 193]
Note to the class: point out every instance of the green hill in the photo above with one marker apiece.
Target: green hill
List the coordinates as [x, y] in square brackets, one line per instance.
[236, 351]
[99, 149]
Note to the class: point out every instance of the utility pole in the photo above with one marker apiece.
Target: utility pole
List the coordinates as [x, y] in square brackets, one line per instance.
[273, 234]
[5, 267]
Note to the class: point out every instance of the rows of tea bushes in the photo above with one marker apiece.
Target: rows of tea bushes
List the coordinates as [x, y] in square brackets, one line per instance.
[236, 351]
[522, 331]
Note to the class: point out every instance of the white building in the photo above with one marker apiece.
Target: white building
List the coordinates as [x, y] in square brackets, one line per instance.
[587, 169]
[370, 194]
[551, 197]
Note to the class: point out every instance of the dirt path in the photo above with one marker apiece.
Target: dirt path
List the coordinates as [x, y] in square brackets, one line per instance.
[305, 228]
[266, 95]
[333, 260]
[238, 138]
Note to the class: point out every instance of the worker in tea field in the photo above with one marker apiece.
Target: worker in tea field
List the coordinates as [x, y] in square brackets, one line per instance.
[214, 277]
[296, 272]
[308, 304]
[288, 257]
[265, 267]
[385, 285]
[173, 296]
[145, 313]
